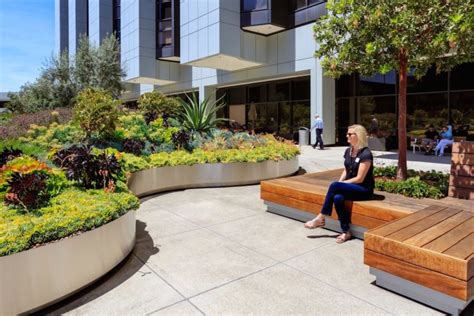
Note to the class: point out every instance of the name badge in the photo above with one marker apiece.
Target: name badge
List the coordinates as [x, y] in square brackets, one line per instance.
[357, 160]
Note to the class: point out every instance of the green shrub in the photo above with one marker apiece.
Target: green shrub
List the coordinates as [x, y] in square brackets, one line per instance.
[131, 126]
[155, 104]
[70, 212]
[96, 112]
[420, 184]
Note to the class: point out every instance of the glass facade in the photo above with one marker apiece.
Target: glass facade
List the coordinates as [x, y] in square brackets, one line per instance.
[435, 99]
[279, 107]
[167, 30]
[116, 19]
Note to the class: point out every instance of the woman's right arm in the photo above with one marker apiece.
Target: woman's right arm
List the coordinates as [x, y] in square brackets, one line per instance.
[343, 175]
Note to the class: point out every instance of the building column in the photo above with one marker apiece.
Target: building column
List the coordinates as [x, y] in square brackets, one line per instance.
[323, 102]
[207, 91]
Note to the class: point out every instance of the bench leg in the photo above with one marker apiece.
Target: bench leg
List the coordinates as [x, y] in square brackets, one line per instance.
[331, 224]
[419, 292]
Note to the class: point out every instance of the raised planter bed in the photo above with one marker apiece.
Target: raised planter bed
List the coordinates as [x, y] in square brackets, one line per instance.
[156, 180]
[41, 276]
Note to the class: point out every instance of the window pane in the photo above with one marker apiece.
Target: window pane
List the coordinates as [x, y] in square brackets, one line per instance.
[462, 111]
[298, 4]
[236, 95]
[384, 109]
[426, 109]
[278, 91]
[461, 77]
[301, 113]
[257, 94]
[377, 84]
[252, 5]
[344, 86]
[284, 125]
[301, 90]
[430, 82]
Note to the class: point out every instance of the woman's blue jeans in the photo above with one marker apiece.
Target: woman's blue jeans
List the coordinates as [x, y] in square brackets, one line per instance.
[338, 193]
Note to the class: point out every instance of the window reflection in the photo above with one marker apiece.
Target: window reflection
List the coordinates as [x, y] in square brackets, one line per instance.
[435, 99]
[254, 5]
[279, 107]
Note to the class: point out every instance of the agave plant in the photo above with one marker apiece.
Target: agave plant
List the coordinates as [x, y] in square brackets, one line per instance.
[200, 116]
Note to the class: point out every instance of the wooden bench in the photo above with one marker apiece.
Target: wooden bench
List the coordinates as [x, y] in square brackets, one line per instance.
[427, 256]
[461, 180]
[301, 198]
[412, 247]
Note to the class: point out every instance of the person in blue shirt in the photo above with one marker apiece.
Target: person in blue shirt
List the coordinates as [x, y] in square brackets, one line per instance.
[319, 126]
[446, 140]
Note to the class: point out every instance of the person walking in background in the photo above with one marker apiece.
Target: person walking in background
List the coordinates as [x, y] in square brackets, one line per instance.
[374, 127]
[446, 139]
[319, 126]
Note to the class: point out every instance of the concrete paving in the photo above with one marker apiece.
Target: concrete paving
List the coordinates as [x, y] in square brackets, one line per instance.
[217, 251]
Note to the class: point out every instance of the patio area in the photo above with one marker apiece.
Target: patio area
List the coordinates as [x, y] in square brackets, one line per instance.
[217, 251]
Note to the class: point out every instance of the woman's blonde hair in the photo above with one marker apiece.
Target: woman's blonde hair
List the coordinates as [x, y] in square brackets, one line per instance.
[361, 133]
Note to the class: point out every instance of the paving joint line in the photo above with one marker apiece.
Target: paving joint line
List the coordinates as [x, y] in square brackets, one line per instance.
[336, 288]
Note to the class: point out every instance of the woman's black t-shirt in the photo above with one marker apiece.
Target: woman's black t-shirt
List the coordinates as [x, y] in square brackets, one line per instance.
[352, 166]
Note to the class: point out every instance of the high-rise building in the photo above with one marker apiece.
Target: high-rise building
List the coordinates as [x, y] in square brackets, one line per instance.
[259, 54]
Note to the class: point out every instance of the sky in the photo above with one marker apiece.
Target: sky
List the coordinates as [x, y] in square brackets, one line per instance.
[26, 40]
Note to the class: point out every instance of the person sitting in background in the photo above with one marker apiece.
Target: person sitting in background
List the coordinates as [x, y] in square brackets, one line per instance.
[446, 139]
[462, 131]
[429, 141]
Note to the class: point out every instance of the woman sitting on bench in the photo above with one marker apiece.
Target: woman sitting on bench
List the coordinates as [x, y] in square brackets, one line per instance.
[356, 182]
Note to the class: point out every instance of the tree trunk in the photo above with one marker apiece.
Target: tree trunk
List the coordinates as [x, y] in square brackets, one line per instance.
[402, 117]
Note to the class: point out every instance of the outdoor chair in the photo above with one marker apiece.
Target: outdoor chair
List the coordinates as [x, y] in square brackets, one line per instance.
[416, 143]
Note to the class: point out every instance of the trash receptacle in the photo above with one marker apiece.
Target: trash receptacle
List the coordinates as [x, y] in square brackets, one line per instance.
[303, 136]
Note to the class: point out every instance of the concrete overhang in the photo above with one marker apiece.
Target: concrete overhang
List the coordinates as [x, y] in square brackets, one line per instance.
[223, 62]
[149, 80]
[265, 29]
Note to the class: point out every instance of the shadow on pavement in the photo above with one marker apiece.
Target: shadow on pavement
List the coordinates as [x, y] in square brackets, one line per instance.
[119, 274]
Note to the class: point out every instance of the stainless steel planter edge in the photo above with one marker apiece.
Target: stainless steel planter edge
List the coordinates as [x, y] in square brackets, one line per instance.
[155, 180]
[40, 276]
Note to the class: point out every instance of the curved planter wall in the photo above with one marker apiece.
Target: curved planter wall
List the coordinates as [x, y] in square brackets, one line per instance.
[156, 180]
[40, 276]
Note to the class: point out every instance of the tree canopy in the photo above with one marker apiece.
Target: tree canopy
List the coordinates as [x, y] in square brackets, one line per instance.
[64, 76]
[367, 36]
[377, 36]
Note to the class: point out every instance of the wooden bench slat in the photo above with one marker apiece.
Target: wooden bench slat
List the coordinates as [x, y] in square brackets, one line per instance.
[452, 266]
[462, 170]
[420, 226]
[406, 221]
[356, 219]
[462, 182]
[453, 235]
[462, 147]
[461, 193]
[432, 279]
[462, 159]
[463, 249]
[440, 229]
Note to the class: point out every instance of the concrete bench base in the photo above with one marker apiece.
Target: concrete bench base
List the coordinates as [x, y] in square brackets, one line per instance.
[331, 224]
[417, 292]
